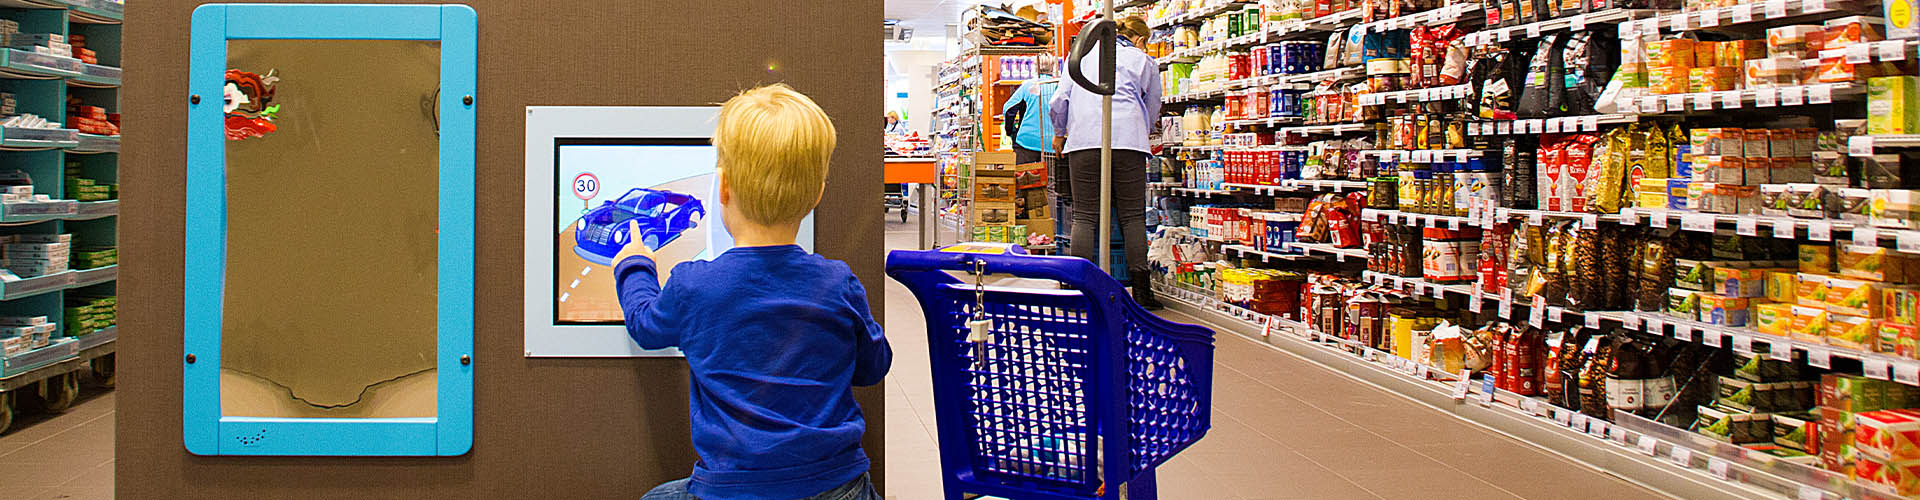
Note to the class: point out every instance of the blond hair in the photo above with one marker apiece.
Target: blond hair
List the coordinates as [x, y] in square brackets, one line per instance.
[774, 145]
[1134, 27]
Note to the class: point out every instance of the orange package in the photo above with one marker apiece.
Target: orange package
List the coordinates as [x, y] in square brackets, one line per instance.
[1888, 434]
[1675, 53]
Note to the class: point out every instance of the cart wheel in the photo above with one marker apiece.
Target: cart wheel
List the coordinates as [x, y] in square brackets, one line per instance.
[60, 391]
[103, 370]
[6, 411]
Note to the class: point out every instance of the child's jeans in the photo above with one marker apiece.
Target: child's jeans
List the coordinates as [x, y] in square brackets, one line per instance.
[860, 488]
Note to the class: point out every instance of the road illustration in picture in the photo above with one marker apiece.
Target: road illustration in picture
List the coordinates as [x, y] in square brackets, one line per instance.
[596, 199]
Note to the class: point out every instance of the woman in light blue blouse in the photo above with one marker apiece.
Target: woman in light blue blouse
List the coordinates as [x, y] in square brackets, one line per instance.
[1136, 108]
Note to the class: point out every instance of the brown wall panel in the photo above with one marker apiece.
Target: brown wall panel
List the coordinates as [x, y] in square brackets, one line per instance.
[544, 428]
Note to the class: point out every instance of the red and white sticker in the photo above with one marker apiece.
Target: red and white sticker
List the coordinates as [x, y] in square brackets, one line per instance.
[586, 186]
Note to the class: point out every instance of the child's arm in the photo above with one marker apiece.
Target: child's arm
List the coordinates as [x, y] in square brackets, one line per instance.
[651, 317]
[872, 354]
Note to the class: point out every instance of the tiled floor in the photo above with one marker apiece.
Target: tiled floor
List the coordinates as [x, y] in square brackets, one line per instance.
[61, 456]
[1282, 428]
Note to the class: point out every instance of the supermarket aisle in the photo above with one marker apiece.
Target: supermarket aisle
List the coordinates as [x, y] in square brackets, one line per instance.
[64, 456]
[1283, 429]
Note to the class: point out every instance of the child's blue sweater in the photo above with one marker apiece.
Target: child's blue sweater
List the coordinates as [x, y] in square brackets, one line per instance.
[776, 339]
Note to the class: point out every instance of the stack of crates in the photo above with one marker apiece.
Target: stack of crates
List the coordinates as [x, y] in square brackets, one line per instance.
[88, 314]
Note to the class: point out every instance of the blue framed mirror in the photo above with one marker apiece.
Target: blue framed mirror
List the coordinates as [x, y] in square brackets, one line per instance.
[329, 242]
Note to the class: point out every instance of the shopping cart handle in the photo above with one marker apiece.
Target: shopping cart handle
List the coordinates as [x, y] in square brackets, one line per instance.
[979, 248]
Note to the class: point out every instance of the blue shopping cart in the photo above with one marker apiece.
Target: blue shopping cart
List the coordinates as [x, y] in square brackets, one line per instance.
[1038, 391]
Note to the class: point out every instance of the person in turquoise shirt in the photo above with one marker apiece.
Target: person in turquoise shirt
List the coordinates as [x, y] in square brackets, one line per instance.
[1034, 135]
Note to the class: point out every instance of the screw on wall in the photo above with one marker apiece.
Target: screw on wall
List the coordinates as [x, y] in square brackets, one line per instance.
[467, 100]
[193, 99]
[466, 359]
[191, 358]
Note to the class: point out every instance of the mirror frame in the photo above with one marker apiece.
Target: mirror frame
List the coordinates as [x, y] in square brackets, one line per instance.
[205, 430]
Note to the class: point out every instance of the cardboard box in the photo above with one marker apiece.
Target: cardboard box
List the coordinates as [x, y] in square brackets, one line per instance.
[1030, 175]
[1038, 226]
[1888, 434]
[994, 160]
[1810, 324]
[1855, 298]
[1773, 319]
[1852, 332]
[991, 189]
[994, 214]
[1034, 204]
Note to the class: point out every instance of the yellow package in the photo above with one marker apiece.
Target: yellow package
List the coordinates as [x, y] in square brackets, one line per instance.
[1809, 324]
[1674, 53]
[1781, 285]
[1812, 290]
[1816, 258]
[1855, 298]
[1902, 303]
[1875, 263]
[1773, 319]
[1852, 331]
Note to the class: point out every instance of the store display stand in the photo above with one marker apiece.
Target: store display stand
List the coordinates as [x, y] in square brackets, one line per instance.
[41, 86]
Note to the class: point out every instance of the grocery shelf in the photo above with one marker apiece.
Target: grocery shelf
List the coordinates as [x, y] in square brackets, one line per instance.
[1295, 27]
[21, 138]
[1433, 17]
[1883, 51]
[1535, 126]
[1446, 93]
[1524, 418]
[1332, 128]
[1492, 36]
[18, 364]
[1342, 254]
[1413, 219]
[1271, 121]
[1198, 15]
[1292, 185]
[1202, 95]
[90, 143]
[99, 338]
[1203, 192]
[1264, 255]
[1790, 95]
[1422, 155]
[1335, 74]
[1742, 15]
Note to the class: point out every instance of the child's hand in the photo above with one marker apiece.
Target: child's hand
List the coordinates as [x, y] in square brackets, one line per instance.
[634, 246]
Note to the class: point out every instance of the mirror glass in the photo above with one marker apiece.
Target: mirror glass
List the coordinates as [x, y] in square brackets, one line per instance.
[332, 165]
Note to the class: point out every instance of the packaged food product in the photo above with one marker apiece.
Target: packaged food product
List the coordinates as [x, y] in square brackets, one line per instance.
[1740, 281]
[1668, 80]
[1721, 141]
[1790, 170]
[1773, 200]
[1733, 426]
[1773, 319]
[1812, 290]
[1845, 31]
[1789, 40]
[1888, 434]
[1854, 203]
[1816, 258]
[1809, 324]
[1780, 285]
[1796, 431]
[1890, 171]
[1902, 303]
[1894, 208]
[1893, 105]
[1838, 70]
[1670, 53]
[1683, 304]
[1712, 78]
[1876, 263]
[1778, 70]
[1851, 332]
[1902, 476]
[1897, 338]
[1694, 275]
[1855, 298]
[1722, 310]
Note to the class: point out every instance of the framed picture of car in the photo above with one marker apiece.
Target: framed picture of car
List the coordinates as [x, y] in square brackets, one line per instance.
[602, 178]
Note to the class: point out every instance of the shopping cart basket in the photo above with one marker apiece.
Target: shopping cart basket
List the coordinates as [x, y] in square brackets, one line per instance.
[1039, 391]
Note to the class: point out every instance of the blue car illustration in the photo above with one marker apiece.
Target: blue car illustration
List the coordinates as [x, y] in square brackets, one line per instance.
[663, 216]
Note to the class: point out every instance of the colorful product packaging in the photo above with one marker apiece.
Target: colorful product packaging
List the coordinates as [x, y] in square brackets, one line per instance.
[1876, 263]
[1773, 319]
[1897, 338]
[1741, 282]
[1888, 434]
[1902, 303]
[1809, 324]
[1781, 285]
[1893, 105]
[1855, 298]
[1816, 258]
[1852, 332]
[1723, 310]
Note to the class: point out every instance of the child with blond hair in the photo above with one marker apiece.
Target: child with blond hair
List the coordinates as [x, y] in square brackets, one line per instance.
[775, 337]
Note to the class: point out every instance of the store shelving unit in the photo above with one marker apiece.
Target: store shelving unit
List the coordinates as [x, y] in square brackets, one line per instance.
[1674, 460]
[42, 85]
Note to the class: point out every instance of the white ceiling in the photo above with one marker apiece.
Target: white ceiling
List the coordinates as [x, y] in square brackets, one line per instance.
[928, 18]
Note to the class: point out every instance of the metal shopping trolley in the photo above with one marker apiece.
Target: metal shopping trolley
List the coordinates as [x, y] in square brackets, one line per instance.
[1039, 392]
